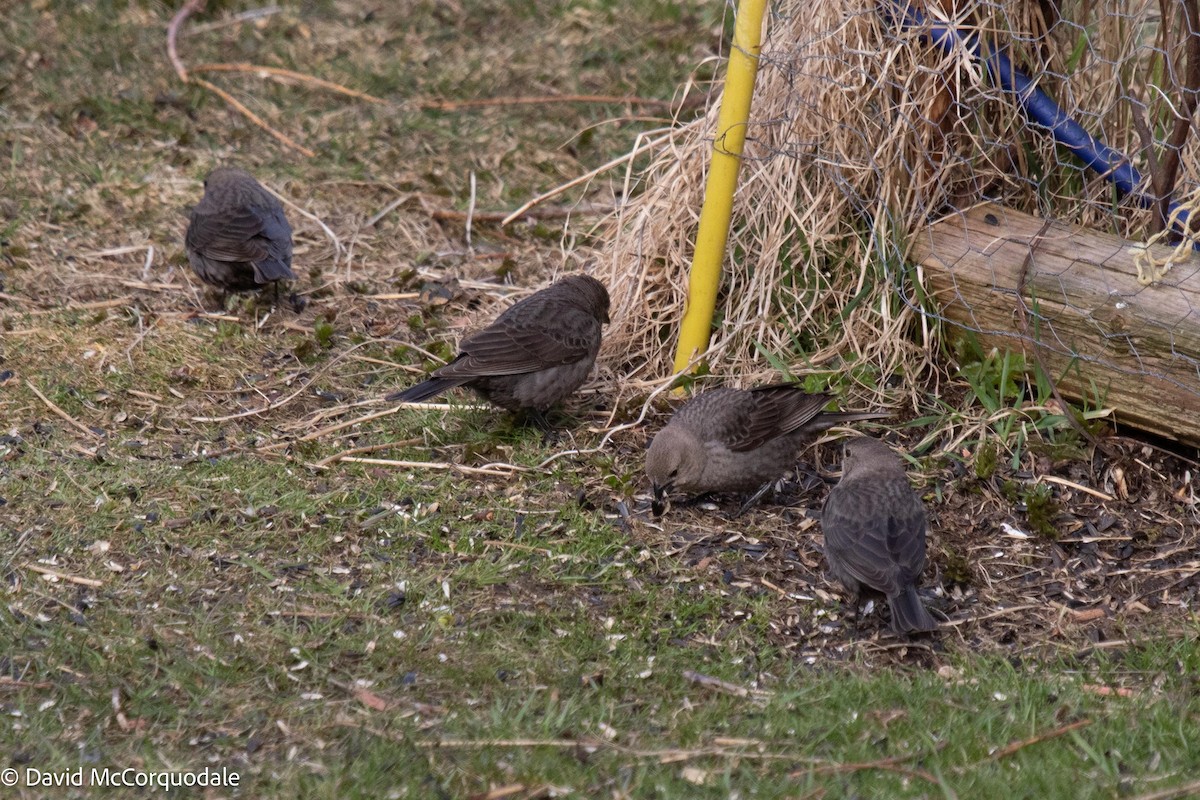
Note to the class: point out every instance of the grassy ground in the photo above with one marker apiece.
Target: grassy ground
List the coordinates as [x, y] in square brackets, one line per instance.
[190, 582]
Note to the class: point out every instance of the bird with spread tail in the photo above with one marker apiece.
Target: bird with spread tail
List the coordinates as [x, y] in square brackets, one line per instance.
[238, 238]
[731, 440]
[874, 526]
[536, 353]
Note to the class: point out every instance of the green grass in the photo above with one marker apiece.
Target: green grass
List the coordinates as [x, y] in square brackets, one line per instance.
[251, 612]
[377, 630]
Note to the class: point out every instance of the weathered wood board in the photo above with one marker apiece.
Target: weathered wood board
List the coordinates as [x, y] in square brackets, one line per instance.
[1090, 319]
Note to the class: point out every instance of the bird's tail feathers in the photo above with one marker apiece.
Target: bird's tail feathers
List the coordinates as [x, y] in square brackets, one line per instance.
[909, 614]
[272, 269]
[828, 419]
[425, 390]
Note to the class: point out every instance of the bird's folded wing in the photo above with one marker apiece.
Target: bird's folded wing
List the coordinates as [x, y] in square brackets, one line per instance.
[276, 238]
[228, 236]
[277, 232]
[858, 537]
[772, 411]
[512, 347]
[905, 538]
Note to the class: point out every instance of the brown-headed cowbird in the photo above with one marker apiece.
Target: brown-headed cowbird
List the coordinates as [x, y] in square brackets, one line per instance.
[874, 526]
[728, 440]
[536, 353]
[238, 238]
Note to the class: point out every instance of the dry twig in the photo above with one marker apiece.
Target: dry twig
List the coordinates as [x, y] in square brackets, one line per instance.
[498, 469]
[584, 178]
[62, 576]
[1021, 744]
[185, 11]
[540, 100]
[64, 415]
[709, 682]
[290, 74]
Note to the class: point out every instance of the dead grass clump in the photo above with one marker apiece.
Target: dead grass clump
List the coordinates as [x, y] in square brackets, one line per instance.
[861, 134]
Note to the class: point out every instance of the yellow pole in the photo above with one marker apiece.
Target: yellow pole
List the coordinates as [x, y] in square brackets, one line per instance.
[713, 234]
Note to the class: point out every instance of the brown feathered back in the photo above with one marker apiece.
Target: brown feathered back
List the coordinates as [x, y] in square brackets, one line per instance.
[874, 526]
[535, 353]
[238, 237]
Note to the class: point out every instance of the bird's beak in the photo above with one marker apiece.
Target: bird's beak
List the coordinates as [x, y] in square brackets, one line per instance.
[658, 504]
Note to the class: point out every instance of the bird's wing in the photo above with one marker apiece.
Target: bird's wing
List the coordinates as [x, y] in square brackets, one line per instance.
[769, 412]
[905, 540]
[276, 238]
[277, 232]
[228, 235]
[877, 536]
[515, 345]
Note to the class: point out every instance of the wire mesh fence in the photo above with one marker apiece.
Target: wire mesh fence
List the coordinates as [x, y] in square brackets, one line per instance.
[877, 132]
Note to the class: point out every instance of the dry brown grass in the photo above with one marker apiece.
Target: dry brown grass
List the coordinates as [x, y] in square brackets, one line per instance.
[860, 136]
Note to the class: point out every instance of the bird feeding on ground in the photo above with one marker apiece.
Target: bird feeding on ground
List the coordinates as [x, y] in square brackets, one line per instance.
[536, 353]
[730, 440]
[874, 526]
[238, 238]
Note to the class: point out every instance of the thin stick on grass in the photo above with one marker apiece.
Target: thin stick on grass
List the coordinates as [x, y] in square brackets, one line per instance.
[62, 576]
[236, 19]
[779, 590]
[335, 428]
[392, 296]
[1020, 744]
[1003, 612]
[280, 72]
[540, 100]
[289, 398]
[117, 251]
[283, 138]
[584, 178]
[369, 448]
[64, 415]
[6, 681]
[885, 765]
[669, 755]
[185, 11]
[22, 301]
[139, 339]
[1077, 486]
[498, 469]
[709, 682]
[518, 546]
[1182, 790]
[95, 305]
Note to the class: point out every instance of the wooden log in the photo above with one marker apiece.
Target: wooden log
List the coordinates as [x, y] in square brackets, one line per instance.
[1094, 326]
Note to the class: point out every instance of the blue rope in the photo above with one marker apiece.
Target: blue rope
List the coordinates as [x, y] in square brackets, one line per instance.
[1111, 164]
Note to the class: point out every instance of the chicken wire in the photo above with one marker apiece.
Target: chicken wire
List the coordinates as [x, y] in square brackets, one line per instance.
[867, 129]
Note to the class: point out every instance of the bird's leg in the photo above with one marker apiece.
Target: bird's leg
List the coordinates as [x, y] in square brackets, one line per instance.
[216, 300]
[695, 501]
[754, 498]
[856, 613]
[539, 420]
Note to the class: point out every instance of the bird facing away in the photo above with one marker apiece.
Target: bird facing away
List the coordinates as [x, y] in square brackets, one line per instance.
[238, 238]
[874, 526]
[729, 440]
[536, 353]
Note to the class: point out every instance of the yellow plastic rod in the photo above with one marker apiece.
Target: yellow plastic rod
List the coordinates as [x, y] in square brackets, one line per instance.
[713, 234]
